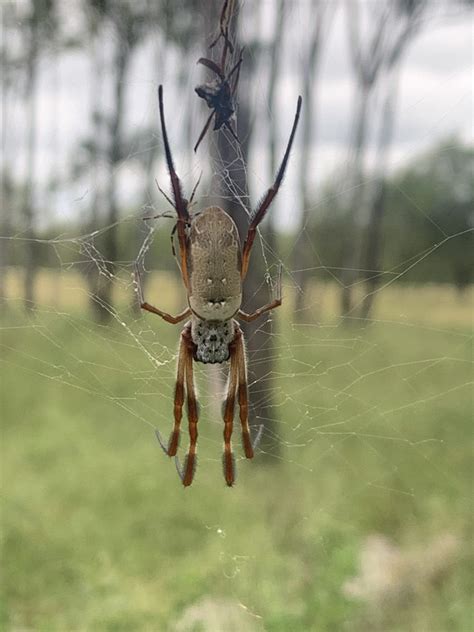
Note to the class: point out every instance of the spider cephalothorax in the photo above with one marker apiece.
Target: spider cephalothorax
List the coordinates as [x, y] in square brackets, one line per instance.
[213, 266]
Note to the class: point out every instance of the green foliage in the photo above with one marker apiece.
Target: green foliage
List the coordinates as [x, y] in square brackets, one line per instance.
[431, 202]
[99, 534]
[429, 209]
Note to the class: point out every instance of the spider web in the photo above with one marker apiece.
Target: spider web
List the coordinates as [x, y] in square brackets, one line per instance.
[340, 395]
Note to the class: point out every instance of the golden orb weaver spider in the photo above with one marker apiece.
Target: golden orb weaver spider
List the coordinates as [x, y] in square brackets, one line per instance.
[213, 268]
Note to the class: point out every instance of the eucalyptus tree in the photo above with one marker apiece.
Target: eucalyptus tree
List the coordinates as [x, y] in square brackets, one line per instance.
[39, 23]
[376, 41]
[275, 53]
[117, 28]
[128, 22]
[409, 17]
[9, 70]
[322, 14]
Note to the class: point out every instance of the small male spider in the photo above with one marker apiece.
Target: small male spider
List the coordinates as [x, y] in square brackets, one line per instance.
[213, 267]
[219, 96]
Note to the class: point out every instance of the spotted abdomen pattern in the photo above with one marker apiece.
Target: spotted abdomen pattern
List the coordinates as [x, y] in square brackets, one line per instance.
[212, 340]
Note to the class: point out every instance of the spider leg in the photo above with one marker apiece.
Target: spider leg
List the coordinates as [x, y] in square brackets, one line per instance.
[236, 67]
[204, 130]
[229, 127]
[226, 48]
[211, 65]
[226, 14]
[190, 462]
[180, 203]
[154, 310]
[167, 198]
[243, 396]
[262, 208]
[229, 408]
[237, 77]
[248, 318]
[159, 216]
[173, 441]
[195, 189]
[173, 251]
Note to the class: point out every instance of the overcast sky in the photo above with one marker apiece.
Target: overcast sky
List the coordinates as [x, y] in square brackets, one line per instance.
[436, 100]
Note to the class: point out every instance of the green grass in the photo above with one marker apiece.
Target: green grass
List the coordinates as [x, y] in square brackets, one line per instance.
[98, 533]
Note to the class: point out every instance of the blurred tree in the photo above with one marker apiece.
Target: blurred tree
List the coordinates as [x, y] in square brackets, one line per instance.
[39, 27]
[275, 55]
[407, 20]
[376, 40]
[8, 67]
[129, 21]
[322, 14]
[428, 230]
[430, 210]
[128, 24]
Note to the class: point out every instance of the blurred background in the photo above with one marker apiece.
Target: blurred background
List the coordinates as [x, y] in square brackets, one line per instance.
[356, 512]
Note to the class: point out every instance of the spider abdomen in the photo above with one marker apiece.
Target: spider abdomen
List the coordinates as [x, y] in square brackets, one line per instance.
[214, 265]
[212, 340]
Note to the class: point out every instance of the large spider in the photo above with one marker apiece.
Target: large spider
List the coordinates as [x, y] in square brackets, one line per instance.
[213, 267]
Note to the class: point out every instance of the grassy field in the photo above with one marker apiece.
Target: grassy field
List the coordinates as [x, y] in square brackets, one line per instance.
[363, 522]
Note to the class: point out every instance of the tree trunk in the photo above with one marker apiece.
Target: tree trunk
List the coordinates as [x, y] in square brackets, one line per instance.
[373, 249]
[355, 183]
[103, 298]
[275, 61]
[322, 14]
[149, 185]
[97, 73]
[29, 197]
[6, 211]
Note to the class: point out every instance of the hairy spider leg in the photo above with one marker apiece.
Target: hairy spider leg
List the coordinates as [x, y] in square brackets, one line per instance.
[183, 354]
[190, 462]
[262, 208]
[173, 320]
[204, 130]
[180, 203]
[191, 199]
[248, 318]
[243, 396]
[229, 409]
